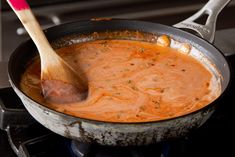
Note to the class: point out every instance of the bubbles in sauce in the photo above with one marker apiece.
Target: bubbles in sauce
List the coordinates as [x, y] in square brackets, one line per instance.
[129, 81]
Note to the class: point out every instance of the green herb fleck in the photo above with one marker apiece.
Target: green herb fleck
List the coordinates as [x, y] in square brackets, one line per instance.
[171, 114]
[156, 104]
[142, 108]
[104, 43]
[141, 50]
[118, 116]
[105, 67]
[134, 88]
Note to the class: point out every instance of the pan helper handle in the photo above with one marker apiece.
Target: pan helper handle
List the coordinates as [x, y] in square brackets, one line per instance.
[207, 31]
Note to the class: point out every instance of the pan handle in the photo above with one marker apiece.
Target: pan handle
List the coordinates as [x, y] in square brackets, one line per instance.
[207, 31]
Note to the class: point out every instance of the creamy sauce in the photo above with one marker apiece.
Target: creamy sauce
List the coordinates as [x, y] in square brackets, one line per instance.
[129, 81]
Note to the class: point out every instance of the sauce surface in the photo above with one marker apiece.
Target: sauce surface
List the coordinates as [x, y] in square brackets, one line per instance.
[129, 81]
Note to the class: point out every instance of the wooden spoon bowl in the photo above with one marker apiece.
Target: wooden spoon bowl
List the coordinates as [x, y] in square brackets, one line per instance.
[60, 83]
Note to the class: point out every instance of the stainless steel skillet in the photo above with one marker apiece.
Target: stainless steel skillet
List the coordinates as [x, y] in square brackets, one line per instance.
[124, 134]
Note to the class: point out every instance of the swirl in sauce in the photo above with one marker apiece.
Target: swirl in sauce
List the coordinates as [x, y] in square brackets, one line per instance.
[129, 81]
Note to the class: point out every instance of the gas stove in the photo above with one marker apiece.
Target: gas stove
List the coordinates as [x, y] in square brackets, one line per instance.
[21, 135]
[25, 137]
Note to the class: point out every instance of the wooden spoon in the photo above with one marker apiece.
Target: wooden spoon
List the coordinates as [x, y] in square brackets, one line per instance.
[60, 83]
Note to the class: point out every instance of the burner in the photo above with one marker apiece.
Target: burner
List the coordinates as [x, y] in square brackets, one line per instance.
[94, 150]
[46, 145]
[80, 149]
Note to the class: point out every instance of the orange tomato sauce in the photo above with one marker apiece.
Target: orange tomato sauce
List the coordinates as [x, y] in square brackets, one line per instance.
[129, 81]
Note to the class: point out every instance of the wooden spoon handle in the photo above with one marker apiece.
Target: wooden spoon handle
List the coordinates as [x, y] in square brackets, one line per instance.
[24, 13]
[18, 4]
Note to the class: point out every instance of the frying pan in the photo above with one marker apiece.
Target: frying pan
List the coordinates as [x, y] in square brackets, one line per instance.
[126, 134]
